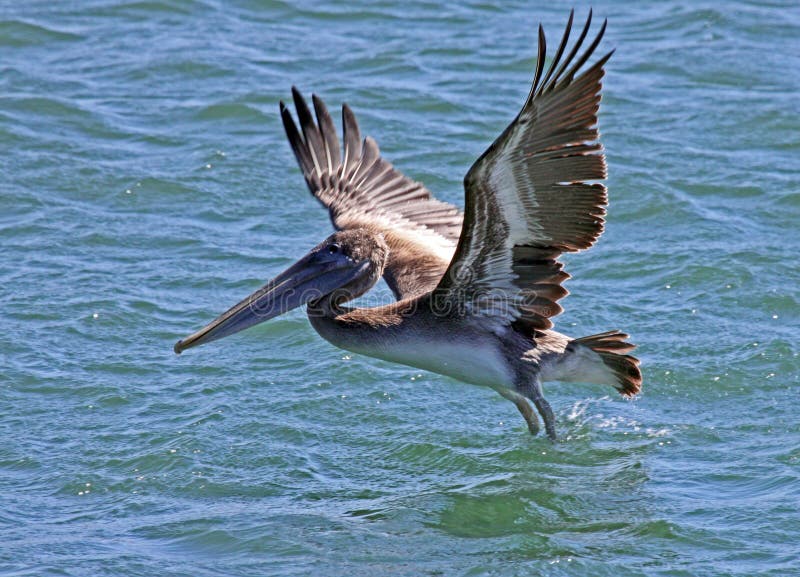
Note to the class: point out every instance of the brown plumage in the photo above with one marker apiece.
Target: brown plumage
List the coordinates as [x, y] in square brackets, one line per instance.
[361, 189]
[476, 290]
[526, 197]
[612, 346]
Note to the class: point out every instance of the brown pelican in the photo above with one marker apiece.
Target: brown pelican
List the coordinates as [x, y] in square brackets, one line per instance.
[475, 290]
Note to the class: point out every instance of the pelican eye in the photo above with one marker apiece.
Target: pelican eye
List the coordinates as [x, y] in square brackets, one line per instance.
[334, 248]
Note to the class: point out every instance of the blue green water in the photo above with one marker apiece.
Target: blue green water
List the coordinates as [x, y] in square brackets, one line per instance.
[146, 186]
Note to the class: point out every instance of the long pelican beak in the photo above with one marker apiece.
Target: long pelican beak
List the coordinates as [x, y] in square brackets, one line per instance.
[315, 275]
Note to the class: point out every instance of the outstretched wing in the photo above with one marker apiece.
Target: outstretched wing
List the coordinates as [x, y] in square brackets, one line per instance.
[361, 189]
[527, 199]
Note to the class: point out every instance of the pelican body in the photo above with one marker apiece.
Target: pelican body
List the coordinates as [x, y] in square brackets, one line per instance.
[475, 289]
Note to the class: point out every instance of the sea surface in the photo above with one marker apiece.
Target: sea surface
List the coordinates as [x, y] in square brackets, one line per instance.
[146, 185]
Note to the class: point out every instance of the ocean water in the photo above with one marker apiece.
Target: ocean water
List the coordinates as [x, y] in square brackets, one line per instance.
[147, 185]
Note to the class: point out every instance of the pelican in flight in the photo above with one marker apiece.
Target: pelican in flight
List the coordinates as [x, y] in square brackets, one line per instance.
[476, 290]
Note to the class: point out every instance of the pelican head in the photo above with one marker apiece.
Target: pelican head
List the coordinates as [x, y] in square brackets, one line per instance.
[342, 267]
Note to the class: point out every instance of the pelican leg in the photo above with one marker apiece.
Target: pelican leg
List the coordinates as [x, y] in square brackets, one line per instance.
[523, 406]
[534, 392]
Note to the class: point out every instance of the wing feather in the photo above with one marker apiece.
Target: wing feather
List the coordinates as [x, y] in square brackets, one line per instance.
[328, 130]
[529, 197]
[361, 189]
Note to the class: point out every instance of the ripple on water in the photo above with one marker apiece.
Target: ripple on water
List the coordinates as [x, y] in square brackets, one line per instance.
[18, 34]
[148, 186]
